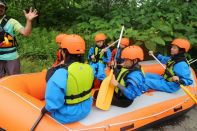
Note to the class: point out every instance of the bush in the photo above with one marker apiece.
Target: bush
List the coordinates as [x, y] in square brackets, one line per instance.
[37, 51]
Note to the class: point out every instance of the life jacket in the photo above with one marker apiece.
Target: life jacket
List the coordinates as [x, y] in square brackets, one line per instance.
[98, 57]
[6, 39]
[79, 82]
[120, 78]
[169, 73]
[52, 70]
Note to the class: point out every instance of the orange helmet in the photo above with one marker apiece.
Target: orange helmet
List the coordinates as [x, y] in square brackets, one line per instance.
[124, 41]
[59, 38]
[132, 52]
[181, 43]
[75, 44]
[100, 37]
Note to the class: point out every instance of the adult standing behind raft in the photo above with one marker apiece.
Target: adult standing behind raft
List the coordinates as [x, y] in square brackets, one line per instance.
[9, 58]
[176, 64]
[68, 91]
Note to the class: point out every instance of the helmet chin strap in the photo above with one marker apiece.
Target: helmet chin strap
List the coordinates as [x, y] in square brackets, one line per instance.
[134, 63]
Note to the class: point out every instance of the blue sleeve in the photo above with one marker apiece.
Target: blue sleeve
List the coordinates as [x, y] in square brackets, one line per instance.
[55, 90]
[90, 53]
[183, 71]
[134, 89]
[107, 56]
[163, 59]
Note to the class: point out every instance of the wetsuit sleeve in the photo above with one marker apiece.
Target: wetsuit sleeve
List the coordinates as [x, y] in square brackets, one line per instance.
[133, 84]
[90, 53]
[163, 59]
[183, 71]
[107, 56]
[55, 90]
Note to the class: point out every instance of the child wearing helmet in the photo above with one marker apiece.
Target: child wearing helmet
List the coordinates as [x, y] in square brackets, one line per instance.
[177, 69]
[58, 40]
[128, 80]
[99, 57]
[123, 44]
[68, 98]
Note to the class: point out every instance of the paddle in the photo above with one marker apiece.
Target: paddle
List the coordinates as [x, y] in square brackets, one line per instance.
[106, 90]
[183, 87]
[37, 121]
[109, 46]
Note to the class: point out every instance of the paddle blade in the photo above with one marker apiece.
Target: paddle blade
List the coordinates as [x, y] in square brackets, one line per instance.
[188, 93]
[105, 93]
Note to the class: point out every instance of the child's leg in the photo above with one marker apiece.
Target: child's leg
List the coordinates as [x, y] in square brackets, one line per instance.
[94, 68]
[101, 71]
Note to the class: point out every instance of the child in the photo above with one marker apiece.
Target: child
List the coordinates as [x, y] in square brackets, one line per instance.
[58, 40]
[99, 57]
[177, 69]
[128, 80]
[68, 97]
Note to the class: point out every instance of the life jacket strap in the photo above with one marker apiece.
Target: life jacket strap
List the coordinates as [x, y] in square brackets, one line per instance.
[78, 95]
[6, 52]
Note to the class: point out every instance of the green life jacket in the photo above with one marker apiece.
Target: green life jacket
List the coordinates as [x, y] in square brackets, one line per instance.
[120, 78]
[6, 40]
[98, 57]
[79, 83]
[169, 73]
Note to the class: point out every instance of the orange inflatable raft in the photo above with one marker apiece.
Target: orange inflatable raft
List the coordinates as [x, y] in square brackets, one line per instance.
[22, 97]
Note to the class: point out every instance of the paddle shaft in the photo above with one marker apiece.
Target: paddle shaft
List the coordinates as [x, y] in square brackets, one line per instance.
[37, 122]
[109, 46]
[118, 45]
[183, 87]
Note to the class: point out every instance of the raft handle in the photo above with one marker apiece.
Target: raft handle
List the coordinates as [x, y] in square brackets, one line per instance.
[131, 126]
[178, 108]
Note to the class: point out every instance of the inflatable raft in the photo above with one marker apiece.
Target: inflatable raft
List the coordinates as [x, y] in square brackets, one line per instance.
[22, 97]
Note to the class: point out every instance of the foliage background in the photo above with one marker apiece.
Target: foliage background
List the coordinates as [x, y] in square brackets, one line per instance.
[152, 24]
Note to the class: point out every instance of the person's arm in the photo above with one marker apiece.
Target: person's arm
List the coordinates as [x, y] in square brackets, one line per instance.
[115, 83]
[161, 58]
[133, 86]
[90, 53]
[26, 31]
[107, 56]
[55, 90]
[184, 76]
